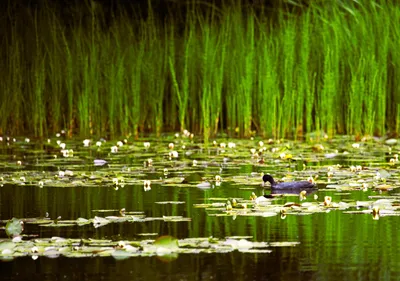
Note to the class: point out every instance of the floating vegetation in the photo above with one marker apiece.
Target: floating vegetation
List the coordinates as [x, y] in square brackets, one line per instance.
[266, 207]
[14, 227]
[227, 178]
[55, 247]
[363, 169]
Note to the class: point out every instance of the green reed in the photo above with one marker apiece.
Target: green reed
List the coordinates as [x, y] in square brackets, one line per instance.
[331, 67]
[206, 67]
[180, 68]
[247, 77]
[267, 93]
[218, 77]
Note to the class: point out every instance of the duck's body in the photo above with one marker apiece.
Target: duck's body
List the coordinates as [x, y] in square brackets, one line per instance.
[294, 185]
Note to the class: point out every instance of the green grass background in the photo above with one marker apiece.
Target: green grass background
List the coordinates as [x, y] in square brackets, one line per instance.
[233, 68]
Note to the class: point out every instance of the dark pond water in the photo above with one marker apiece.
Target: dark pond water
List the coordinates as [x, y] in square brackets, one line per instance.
[353, 237]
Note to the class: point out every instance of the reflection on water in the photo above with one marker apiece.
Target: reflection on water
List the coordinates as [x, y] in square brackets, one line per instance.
[333, 245]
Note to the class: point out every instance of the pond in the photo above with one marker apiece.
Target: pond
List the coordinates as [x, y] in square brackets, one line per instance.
[172, 209]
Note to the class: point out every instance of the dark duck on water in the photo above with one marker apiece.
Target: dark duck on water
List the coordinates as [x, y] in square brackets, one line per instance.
[294, 185]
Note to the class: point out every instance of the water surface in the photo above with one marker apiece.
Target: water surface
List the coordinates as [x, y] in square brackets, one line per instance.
[328, 243]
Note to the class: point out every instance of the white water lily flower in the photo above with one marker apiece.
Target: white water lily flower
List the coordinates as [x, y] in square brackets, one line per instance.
[146, 185]
[34, 249]
[327, 201]
[67, 153]
[86, 142]
[99, 162]
[173, 154]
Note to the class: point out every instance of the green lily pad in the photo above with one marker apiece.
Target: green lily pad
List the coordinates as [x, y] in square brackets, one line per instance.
[14, 227]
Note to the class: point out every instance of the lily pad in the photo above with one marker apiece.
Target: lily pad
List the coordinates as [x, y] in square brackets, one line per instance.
[14, 227]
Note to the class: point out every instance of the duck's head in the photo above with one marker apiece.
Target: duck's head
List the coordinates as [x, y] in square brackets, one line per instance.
[268, 178]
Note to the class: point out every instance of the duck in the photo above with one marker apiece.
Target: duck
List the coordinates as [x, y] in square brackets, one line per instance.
[294, 185]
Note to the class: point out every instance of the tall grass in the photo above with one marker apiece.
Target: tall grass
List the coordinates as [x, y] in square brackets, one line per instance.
[331, 66]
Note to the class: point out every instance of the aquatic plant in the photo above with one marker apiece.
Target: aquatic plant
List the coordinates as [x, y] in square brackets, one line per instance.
[236, 68]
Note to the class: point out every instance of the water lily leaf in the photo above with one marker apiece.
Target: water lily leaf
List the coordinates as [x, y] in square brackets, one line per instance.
[99, 221]
[59, 224]
[147, 234]
[170, 202]
[167, 242]
[7, 245]
[120, 254]
[284, 244]
[204, 185]
[175, 218]
[255, 251]
[82, 221]
[14, 227]
[237, 237]
[363, 203]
